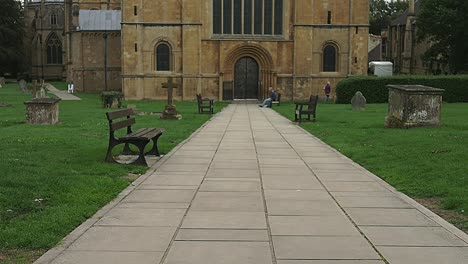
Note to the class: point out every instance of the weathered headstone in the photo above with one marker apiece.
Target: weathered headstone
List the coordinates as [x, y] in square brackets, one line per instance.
[358, 102]
[170, 111]
[23, 86]
[413, 106]
[2, 81]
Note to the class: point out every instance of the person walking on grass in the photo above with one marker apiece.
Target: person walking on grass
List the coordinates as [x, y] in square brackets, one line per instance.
[327, 90]
[269, 100]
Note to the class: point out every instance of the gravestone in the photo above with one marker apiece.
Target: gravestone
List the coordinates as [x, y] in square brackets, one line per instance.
[413, 106]
[170, 111]
[358, 102]
[23, 86]
[2, 81]
[42, 111]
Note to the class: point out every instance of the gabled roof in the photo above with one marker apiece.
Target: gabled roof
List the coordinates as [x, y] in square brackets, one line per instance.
[100, 20]
[401, 20]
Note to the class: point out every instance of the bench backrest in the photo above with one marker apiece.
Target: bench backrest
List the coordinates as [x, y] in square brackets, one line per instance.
[278, 97]
[199, 99]
[313, 100]
[116, 125]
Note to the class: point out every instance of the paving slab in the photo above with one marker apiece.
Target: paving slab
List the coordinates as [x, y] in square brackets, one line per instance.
[232, 173]
[337, 225]
[372, 202]
[292, 182]
[160, 196]
[319, 247]
[204, 252]
[123, 239]
[154, 205]
[228, 202]
[330, 262]
[225, 220]
[223, 235]
[230, 186]
[389, 217]
[173, 180]
[411, 236]
[343, 176]
[425, 255]
[298, 207]
[142, 217]
[301, 195]
[106, 257]
[354, 186]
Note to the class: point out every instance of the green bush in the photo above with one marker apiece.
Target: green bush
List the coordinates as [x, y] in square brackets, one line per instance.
[375, 90]
[109, 98]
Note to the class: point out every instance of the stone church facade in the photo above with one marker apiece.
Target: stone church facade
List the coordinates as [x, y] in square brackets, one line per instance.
[405, 51]
[236, 49]
[44, 24]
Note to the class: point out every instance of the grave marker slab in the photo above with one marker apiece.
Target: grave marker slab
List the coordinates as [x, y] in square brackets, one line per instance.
[358, 102]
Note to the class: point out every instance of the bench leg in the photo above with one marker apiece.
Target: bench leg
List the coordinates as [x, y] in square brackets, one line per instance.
[109, 157]
[141, 155]
[127, 150]
[154, 150]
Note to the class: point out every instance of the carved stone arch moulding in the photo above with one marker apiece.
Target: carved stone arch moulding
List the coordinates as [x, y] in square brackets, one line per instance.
[257, 52]
[156, 41]
[266, 66]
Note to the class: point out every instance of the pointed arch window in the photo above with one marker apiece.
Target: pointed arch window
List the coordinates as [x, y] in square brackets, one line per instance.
[54, 50]
[330, 58]
[163, 57]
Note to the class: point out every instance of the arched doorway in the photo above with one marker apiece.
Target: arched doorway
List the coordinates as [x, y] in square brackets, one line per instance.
[246, 74]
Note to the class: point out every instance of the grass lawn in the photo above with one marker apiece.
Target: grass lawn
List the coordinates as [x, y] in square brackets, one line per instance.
[53, 177]
[429, 164]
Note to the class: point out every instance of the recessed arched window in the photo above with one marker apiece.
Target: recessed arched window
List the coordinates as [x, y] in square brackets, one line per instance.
[54, 49]
[53, 19]
[163, 57]
[330, 58]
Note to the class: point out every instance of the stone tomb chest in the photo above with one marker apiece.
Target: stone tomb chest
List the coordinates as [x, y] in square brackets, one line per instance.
[42, 111]
[413, 106]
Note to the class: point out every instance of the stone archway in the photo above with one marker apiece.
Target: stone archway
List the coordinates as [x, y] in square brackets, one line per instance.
[266, 73]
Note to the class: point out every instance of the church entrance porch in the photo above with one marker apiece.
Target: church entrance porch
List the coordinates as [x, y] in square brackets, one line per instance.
[246, 72]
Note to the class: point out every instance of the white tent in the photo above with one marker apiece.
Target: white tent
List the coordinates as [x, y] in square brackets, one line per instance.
[381, 68]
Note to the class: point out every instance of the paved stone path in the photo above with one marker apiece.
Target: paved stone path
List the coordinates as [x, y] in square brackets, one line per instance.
[64, 95]
[253, 188]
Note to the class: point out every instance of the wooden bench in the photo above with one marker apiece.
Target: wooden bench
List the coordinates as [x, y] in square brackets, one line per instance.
[310, 110]
[139, 138]
[205, 108]
[277, 101]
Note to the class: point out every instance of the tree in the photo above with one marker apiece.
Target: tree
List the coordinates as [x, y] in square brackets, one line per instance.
[443, 23]
[11, 36]
[382, 12]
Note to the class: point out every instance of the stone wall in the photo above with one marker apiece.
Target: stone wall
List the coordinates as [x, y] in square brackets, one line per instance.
[85, 51]
[202, 62]
[38, 28]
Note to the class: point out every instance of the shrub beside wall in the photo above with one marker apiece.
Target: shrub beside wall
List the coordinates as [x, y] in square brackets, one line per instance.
[375, 90]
